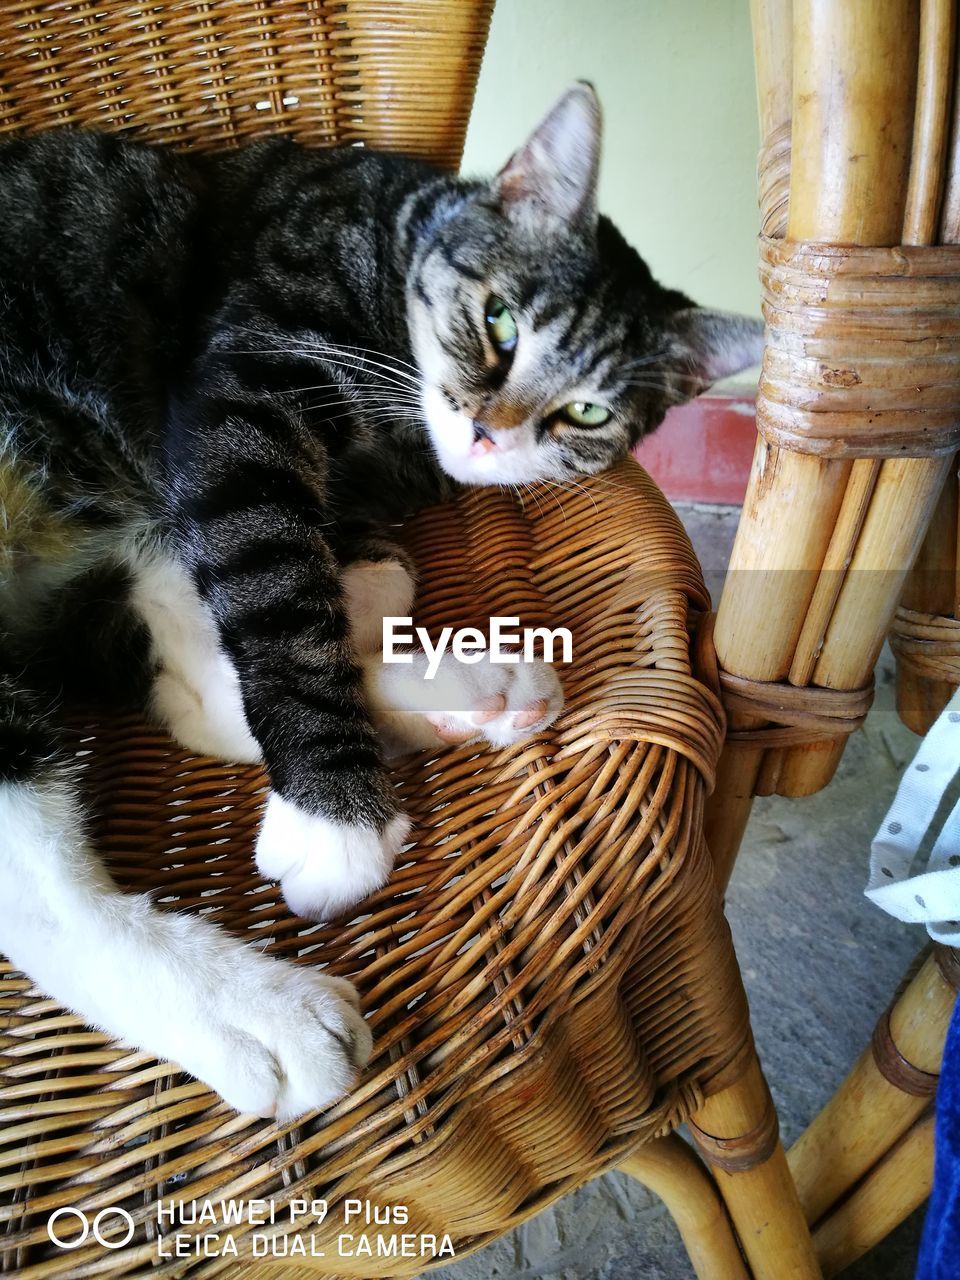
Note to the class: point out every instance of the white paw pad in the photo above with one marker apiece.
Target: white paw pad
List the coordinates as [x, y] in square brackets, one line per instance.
[324, 867]
[503, 704]
[283, 1042]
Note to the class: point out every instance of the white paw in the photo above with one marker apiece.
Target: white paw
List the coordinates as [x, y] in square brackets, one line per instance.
[211, 720]
[324, 866]
[502, 703]
[279, 1040]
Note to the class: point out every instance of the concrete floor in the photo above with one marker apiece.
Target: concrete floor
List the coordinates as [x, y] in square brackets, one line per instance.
[819, 963]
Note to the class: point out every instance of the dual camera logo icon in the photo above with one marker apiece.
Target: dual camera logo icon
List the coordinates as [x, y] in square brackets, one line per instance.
[63, 1222]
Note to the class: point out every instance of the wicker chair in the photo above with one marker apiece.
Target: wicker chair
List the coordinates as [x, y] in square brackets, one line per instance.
[548, 975]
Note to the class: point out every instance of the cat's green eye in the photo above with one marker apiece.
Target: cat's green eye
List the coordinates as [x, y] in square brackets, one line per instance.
[501, 326]
[585, 415]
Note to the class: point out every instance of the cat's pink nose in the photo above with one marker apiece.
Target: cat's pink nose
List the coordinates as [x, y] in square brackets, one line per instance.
[483, 441]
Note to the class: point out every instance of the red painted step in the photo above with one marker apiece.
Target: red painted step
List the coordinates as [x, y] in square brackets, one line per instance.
[703, 450]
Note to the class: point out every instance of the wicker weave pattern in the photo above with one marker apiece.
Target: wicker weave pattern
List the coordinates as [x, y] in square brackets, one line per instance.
[399, 74]
[548, 974]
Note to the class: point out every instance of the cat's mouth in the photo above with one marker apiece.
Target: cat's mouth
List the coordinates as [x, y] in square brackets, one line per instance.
[475, 453]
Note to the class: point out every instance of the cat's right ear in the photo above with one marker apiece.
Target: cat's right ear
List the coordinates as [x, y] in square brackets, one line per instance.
[556, 168]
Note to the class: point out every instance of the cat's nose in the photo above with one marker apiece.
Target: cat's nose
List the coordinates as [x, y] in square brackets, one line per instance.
[483, 441]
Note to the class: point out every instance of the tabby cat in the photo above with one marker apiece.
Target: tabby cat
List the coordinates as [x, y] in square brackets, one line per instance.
[222, 378]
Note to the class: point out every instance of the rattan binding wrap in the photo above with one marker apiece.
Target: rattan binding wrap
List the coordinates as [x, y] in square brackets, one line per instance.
[863, 349]
[927, 644]
[548, 974]
[795, 715]
[895, 1068]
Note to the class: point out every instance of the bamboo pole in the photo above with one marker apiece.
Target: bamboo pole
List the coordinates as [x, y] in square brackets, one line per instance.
[887, 547]
[772, 22]
[851, 139]
[931, 131]
[794, 499]
[931, 588]
[836, 562]
[899, 1184]
[854, 76]
[854, 69]
[890, 506]
[671, 1169]
[824, 544]
[905, 491]
[901, 505]
[727, 810]
[950, 214]
[868, 1113]
[762, 1200]
[773, 58]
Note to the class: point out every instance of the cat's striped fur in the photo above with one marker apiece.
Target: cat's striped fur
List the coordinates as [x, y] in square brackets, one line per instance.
[222, 378]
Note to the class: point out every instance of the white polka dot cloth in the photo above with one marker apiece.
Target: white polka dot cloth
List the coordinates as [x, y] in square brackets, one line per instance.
[932, 897]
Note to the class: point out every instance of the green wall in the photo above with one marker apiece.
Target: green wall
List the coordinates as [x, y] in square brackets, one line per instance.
[676, 83]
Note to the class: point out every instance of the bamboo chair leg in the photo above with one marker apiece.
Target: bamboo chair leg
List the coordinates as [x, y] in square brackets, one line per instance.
[728, 808]
[672, 1171]
[736, 1130]
[824, 543]
[899, 1184]
[888, 1088]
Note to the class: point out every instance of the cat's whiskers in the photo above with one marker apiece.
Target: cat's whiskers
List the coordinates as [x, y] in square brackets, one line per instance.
[550, 490]
[524, 487]
[669, 381]
[374, 376]
[395, 361]
[603, 480]
[359, 358]
[376, 370]
[383, 416]
[351, 389]
[644, 360]
[323, 345]
[576, 486]
[368, 404]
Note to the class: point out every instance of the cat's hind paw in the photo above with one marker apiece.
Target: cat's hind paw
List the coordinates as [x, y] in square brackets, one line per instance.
[290, 1043]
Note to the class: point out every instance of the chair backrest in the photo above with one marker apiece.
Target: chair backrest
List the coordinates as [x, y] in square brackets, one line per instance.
[395, 74]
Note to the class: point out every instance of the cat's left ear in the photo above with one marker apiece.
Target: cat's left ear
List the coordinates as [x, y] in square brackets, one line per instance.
[710, 345]
[556, 168]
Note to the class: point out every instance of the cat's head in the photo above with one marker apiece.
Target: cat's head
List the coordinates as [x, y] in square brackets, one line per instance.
[545, 346]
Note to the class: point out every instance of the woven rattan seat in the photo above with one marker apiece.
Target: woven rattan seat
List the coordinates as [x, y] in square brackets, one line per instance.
[548, 975]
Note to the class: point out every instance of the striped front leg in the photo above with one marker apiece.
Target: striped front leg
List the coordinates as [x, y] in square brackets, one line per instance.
[250, 505]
